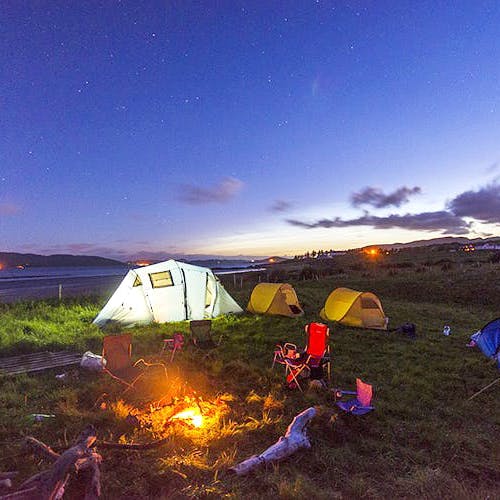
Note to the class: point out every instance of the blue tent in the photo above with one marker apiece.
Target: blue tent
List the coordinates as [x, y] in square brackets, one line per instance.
[488, 340]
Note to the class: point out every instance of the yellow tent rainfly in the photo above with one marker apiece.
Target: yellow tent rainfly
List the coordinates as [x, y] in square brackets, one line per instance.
[353, 308]
[275, 298]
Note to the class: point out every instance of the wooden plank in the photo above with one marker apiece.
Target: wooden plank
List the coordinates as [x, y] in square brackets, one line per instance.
[27, 363]
[20, 370]
[34, 359]
[40, 366]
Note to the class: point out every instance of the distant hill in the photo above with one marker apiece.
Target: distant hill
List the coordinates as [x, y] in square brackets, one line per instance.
[447, 240]
[220, 263]
[8, 259]
[271, 260]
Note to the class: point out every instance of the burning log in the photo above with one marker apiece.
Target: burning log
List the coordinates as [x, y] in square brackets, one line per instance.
[294, 439]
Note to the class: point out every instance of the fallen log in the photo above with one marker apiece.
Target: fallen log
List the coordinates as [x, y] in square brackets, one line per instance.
[295, 438]
[50, 484]
[62, 466]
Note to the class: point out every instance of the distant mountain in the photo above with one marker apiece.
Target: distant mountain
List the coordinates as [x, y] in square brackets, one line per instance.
[220, 263]
[447, 240]
[9, 259]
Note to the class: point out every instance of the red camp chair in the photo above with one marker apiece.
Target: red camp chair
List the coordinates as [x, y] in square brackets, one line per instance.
[315, 356]
[117, 351]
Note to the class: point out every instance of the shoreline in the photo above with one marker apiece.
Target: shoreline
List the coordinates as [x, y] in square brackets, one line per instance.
[64, 286]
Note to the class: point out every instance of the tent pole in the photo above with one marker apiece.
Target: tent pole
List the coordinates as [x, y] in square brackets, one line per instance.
[483, 389]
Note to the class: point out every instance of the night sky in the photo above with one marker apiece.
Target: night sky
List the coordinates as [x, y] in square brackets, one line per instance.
[159, 128]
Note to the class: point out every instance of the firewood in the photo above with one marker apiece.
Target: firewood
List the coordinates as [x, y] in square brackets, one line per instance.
[91, 464]
[50, 484]
[63, 465]
[41, 448]
[294, 439]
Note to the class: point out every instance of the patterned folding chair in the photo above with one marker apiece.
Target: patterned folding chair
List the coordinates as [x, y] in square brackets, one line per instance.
[174, 344]
[361, 404]
[315, 356]
[285, 351]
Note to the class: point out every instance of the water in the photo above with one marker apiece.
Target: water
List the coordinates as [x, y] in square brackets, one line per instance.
[32, 283]
[44, 273]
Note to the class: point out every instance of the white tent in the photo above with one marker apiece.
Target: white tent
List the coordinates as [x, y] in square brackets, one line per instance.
[167, 291]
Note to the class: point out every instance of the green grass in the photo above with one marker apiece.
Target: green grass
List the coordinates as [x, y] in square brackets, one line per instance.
[424, 440]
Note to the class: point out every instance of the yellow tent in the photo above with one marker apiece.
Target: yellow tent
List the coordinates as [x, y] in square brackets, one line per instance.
[353, 308]
[274, 298]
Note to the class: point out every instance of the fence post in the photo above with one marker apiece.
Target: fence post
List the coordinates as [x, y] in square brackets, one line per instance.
[60, 292]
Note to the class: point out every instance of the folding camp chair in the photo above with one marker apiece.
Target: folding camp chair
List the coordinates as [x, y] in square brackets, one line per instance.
[361, 403]
[201, 334]
[174, 344]
[311, 362]
[117, 351]
[285, 351]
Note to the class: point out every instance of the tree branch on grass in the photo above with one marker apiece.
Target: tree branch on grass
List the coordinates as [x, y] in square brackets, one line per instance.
[295, 438]
[50, 484]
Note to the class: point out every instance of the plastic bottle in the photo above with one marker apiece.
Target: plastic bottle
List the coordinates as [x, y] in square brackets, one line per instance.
[39, 417]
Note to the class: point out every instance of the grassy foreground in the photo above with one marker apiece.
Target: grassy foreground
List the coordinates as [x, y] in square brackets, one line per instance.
[424, 440]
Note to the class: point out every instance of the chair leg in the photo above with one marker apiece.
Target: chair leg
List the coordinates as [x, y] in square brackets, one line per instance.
[294, 374]
[173, 354]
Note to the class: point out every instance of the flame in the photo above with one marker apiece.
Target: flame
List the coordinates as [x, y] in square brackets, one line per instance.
[192, 415]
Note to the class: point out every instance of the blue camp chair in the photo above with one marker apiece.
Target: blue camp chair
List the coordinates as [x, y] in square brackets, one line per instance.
[361, 403]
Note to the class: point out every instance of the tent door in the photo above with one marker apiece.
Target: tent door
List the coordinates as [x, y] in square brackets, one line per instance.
[210, 296]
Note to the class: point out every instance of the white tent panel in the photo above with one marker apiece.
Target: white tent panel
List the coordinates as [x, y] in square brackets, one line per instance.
[128, 305]
[167, 291]
[224, 304]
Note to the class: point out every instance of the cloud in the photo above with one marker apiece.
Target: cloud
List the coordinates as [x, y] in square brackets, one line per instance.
[482, 205]
[376, 198]
[493, 168]
[281, 206]
[443, 221]
[7, 209]
[220, 193]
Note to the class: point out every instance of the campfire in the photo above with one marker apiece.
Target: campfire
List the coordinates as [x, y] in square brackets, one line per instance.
[190, 416]
[186, 415]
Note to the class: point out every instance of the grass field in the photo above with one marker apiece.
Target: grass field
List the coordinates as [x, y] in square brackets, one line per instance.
[424, 440]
